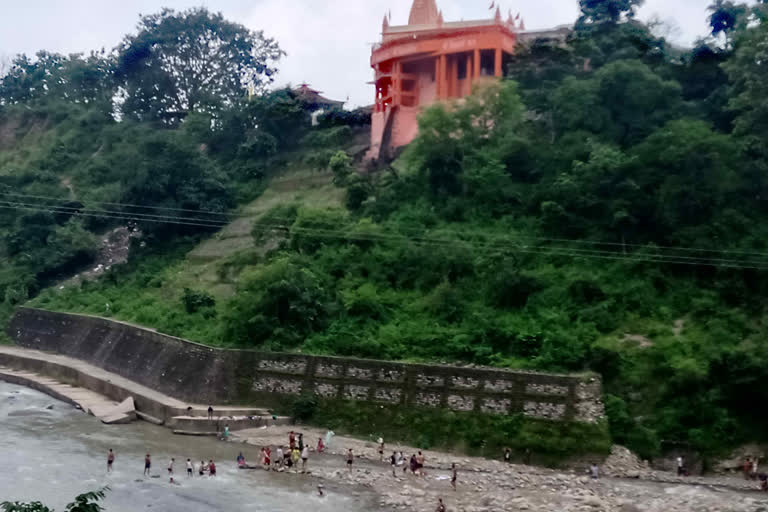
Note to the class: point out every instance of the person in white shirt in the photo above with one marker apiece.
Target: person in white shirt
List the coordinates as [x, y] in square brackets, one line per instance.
[170, 466]
[279, 458]
[304, 457]
[189, 468]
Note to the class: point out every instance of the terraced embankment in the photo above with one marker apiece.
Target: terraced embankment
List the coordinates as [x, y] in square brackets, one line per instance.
[98, 392]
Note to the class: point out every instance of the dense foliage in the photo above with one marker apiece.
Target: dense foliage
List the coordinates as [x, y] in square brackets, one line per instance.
[603, 209]
[86, 502]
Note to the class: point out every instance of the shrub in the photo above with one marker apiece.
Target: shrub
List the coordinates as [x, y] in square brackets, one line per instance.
[195, 300]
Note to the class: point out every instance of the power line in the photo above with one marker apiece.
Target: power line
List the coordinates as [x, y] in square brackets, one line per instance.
[503, 245]
[404, 228]
[126, 205]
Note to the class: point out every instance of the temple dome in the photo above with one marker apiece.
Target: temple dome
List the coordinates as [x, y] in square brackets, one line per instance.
[423, 12]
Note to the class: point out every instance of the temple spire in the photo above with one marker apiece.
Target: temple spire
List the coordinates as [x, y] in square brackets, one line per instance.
[385, 24]
[423, 12]
[440, 18]
[498, 14]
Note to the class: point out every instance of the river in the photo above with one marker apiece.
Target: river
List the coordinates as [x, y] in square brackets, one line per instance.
[51, 455]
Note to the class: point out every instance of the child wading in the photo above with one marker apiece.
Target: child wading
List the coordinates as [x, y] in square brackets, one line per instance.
[147, 465]
[350, 459]
[110, 460]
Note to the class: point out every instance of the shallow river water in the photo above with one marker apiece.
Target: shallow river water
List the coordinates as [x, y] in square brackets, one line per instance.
[51, 455]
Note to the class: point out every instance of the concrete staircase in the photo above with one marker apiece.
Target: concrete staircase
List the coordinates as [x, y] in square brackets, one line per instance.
[114, 399]
[93, 403]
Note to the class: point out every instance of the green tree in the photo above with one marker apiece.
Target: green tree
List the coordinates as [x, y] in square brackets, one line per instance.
[622, 102]
[450, 141]
[194, 60]
[606, 11]
[749, 79]
[52, 76]
[86, 502]
[725, 17]
[276, 307]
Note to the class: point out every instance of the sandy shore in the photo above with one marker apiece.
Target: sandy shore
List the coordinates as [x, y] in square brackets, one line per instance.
[492, 486]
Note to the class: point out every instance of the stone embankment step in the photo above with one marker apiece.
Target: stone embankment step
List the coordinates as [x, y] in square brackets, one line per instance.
[119, 399]
[93, 403]
[201, 425]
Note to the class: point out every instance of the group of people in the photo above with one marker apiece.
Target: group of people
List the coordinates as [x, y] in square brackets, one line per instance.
[294, 456]
[750, 469]
[202, 468]
[415, 463]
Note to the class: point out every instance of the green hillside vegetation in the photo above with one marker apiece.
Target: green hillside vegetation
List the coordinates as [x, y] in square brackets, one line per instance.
[602, 209]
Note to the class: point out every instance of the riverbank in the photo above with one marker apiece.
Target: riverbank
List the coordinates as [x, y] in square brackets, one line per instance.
[57, 439]
[493, 486]
[52, 452]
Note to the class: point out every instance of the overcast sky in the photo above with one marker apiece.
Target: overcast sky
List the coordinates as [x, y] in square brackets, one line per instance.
[328, 42]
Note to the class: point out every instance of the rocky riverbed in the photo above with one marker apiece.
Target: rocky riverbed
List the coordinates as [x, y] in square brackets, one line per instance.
[484, 485]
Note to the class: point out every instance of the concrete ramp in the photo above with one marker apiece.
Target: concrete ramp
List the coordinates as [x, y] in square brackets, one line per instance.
[125, 412]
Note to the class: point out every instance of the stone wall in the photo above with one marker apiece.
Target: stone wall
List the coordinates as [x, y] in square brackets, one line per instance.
[197, 373]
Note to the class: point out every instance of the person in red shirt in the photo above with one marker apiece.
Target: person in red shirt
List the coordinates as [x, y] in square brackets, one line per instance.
[292, 440]
[211, 468]
[320, 445]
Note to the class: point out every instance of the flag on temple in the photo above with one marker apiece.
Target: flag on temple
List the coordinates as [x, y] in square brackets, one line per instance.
[493, 4]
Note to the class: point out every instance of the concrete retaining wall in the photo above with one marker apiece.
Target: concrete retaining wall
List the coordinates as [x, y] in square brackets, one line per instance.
[193, 372]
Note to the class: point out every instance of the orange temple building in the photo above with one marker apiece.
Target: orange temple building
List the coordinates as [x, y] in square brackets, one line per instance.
[430, 60]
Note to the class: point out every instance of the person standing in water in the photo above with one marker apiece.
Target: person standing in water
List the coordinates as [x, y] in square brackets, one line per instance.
[350, 459]
[110, 460]
[304, 458]
[393, 462]
[170, 466]
[147, 465]
[211, 468]
[440, 505]
[454, 475]
[201, 468]
[189, 468]
[210, 412]
[381, 449]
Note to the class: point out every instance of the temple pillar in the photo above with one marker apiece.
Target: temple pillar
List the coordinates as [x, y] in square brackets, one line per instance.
[477, 63]
[467, 75]
[397, 83]
[443, 81]
[437, 77]
[497, 63]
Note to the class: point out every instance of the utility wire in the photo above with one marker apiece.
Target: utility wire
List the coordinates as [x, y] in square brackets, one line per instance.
[404, 228]
[502, 245]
